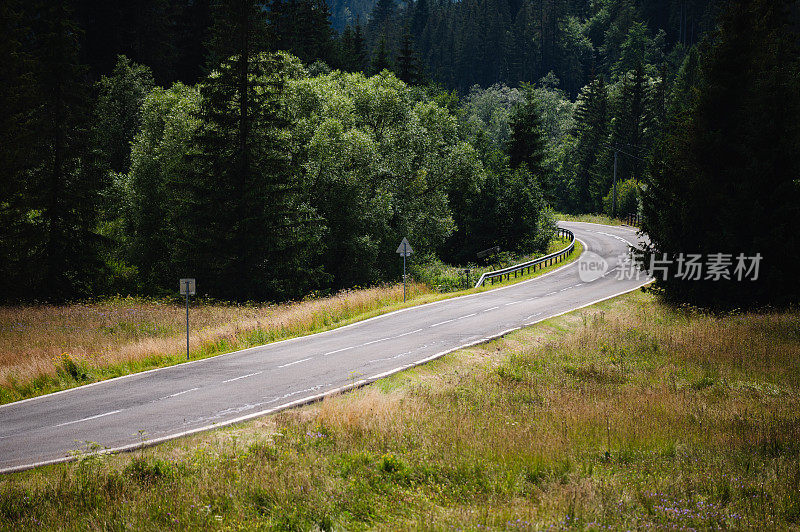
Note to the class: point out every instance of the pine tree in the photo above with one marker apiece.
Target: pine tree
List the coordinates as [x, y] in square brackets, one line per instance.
[381, 60]
[302, 27]
[407, 66]
[382, 15]
[631, 115]
[591, 124]
[359, 49]
[63, 179]
[17, 138]
[238, 25]
[526, 144]
[419, 18]
[243, 227]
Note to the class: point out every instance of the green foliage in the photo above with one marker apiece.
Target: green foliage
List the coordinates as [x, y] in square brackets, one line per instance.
[242, 222]
[159, 162]
[118, 111]
[627, 199]
[486, 115]
[526, 143]
[379, 167]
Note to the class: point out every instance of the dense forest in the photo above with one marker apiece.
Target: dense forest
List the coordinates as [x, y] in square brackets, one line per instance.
[275, 148]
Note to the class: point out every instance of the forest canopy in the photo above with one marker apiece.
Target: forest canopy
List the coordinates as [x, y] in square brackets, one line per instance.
[275, 148]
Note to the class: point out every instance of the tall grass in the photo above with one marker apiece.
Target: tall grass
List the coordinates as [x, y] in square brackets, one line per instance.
[44, 348]
[627, 415]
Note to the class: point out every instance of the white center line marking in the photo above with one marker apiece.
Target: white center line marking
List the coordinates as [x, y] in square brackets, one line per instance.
[374, 342]
[441, 323]
[180, 393]
[89, 418]
[405, 334]
[490, 309]
[296, 362]
[468, 316]
[513, 303]
[338, 350]
[243, 377]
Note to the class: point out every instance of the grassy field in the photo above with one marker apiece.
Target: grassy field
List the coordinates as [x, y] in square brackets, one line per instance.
[625, 415]
[49, 348]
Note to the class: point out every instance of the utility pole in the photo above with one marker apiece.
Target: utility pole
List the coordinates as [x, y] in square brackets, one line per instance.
[614, 207]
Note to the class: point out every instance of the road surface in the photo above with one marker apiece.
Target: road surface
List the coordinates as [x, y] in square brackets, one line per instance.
[165, 403]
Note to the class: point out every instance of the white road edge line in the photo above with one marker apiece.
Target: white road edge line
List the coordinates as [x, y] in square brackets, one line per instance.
[243, 376]
[312, 398]
[88, 418]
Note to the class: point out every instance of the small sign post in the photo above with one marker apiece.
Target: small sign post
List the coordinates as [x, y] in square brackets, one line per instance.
[404, 250]
[187, 288]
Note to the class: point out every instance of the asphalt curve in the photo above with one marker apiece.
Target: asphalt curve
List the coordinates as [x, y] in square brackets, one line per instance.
[157, 405]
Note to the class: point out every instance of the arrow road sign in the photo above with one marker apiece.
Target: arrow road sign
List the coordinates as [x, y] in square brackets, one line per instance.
[404, 249]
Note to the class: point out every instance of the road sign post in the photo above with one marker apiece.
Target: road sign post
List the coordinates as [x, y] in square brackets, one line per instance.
[404, 249]
[187, 287]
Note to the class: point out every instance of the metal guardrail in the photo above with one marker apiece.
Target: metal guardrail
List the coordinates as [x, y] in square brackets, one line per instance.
[541, 262]
[634, 220]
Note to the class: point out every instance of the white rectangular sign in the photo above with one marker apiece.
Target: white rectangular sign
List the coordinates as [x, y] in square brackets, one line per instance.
[187, 285]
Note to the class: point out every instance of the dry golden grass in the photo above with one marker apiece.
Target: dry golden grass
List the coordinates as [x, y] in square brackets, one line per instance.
[34, 339]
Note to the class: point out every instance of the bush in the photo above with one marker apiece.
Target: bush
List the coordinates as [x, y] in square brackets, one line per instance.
[627, 198]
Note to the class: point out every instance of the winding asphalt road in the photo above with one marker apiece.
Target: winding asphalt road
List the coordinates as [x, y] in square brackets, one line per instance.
[178, 400]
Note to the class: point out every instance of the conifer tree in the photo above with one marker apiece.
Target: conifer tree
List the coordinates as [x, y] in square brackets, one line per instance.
[64, 181]
[243, 227]
[419, 18]
[407, 66]
[381, 60]
[631, 115]
[591, 124]
[359, 49]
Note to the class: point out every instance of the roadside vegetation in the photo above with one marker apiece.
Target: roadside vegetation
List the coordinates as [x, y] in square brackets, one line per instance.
[628, 414]
[591, 218]
[47, 348]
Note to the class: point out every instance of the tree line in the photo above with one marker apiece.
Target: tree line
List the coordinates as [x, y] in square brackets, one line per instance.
[252, 146]
[266, 179]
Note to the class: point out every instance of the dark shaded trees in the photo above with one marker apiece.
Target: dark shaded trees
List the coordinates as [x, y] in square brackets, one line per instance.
[591, 126]
[725, 176]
